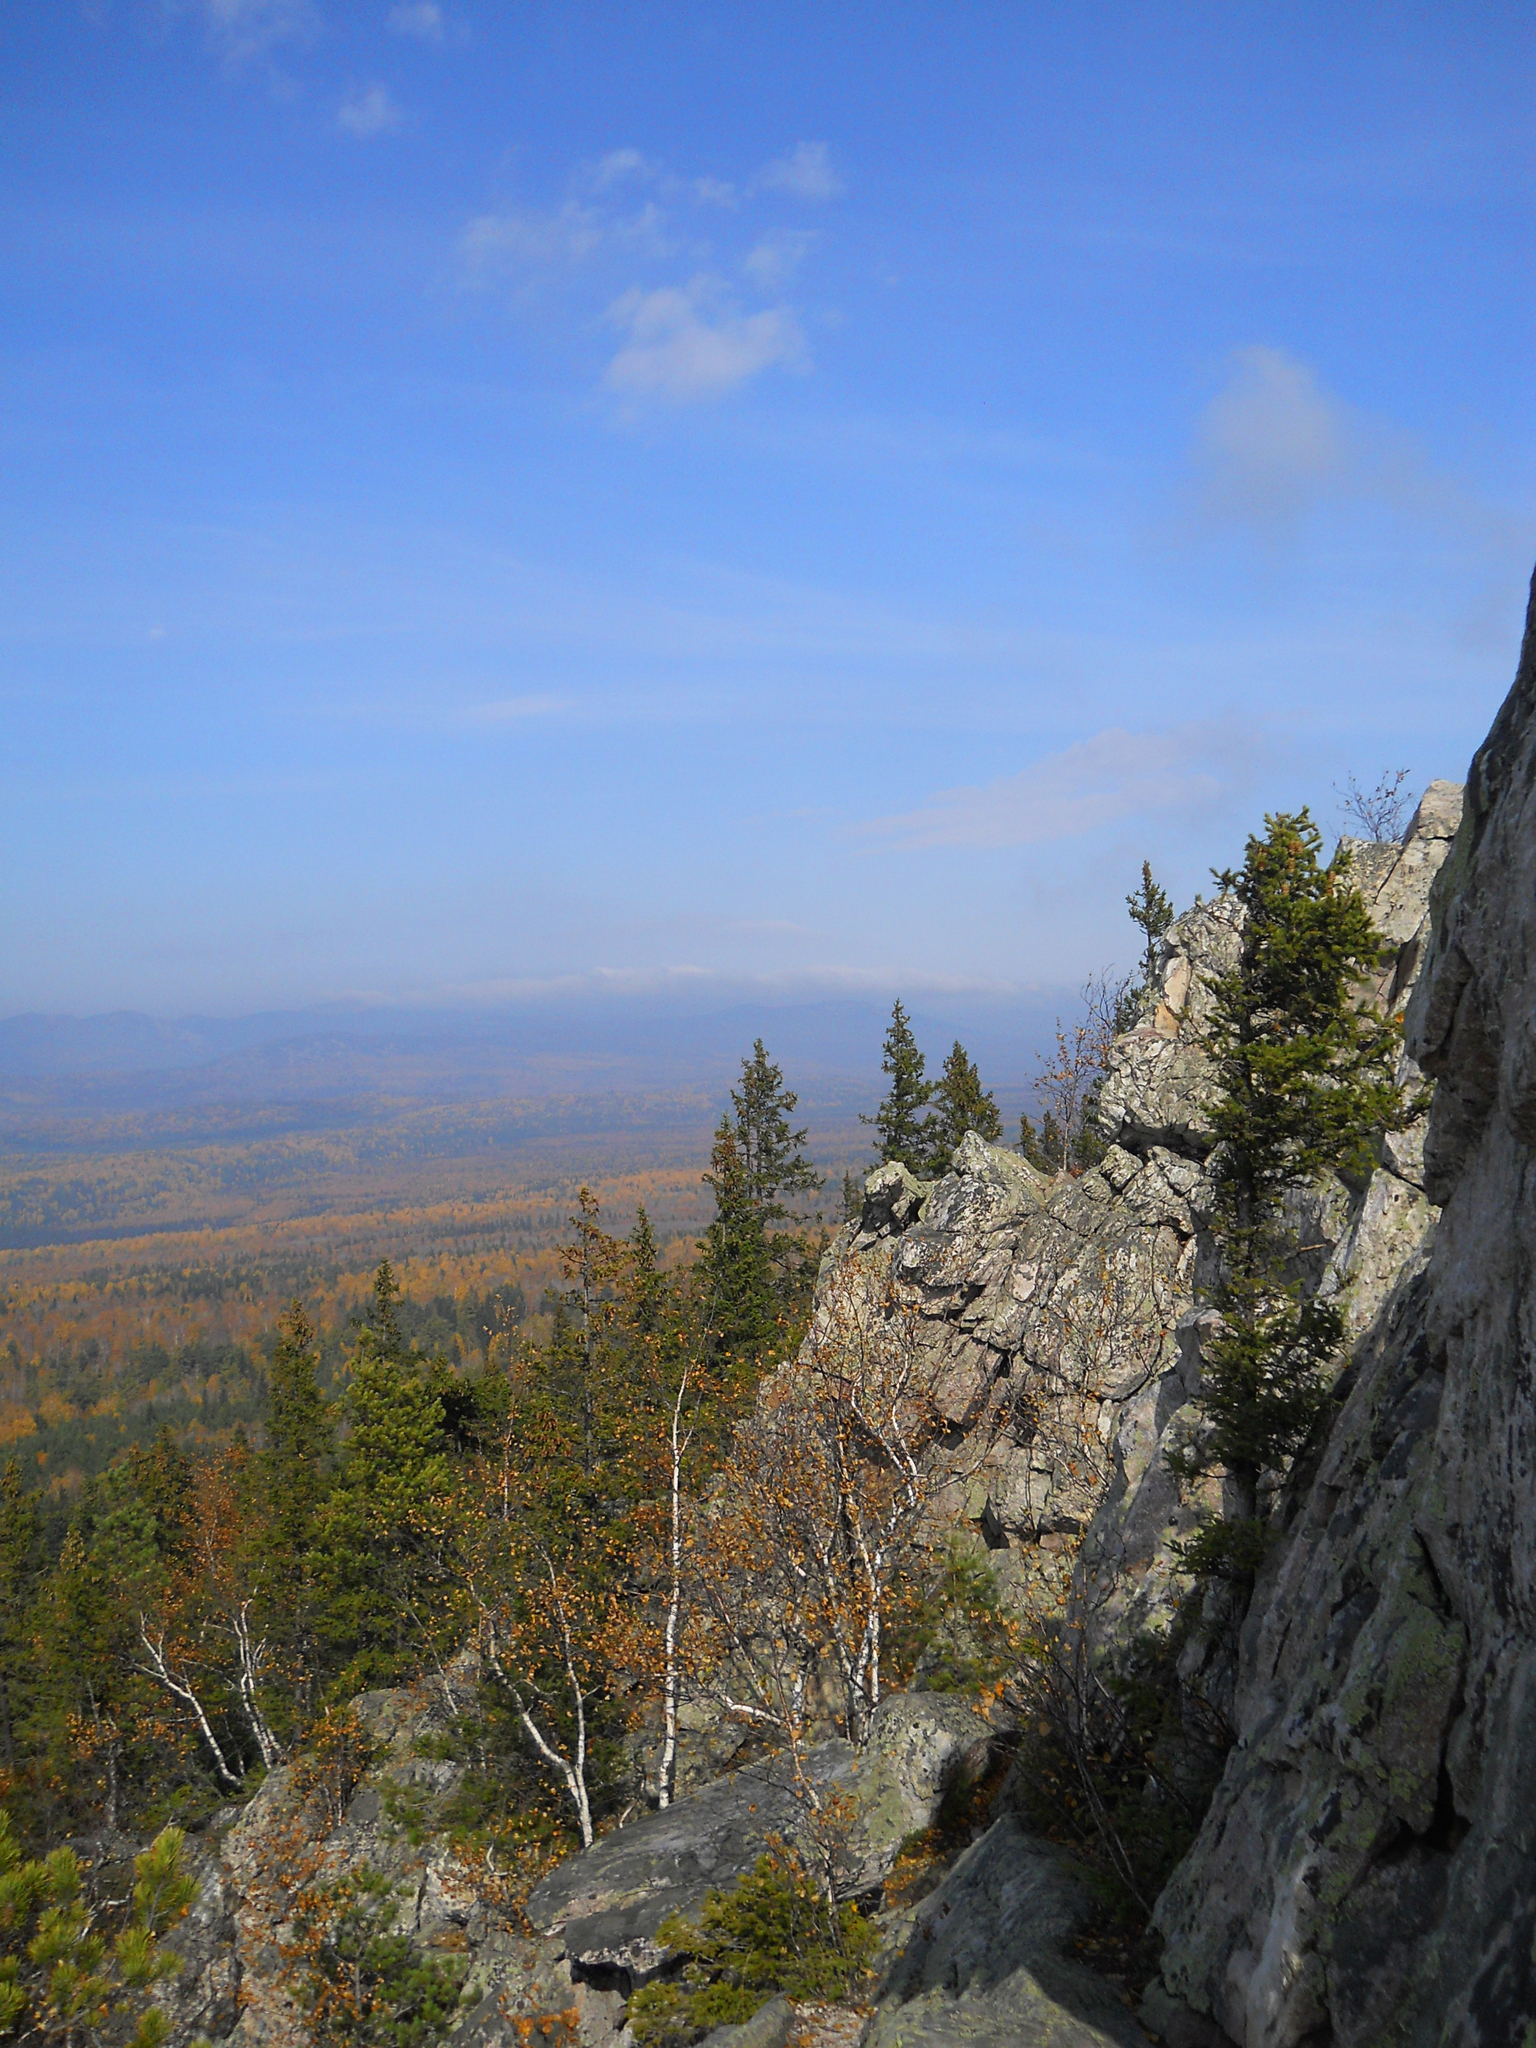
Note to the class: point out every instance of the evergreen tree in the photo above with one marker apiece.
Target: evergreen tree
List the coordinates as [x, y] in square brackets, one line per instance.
[1151, 911]
[383, 1538]
[772, 1163]
[93, 1726]
[301, 1436]
[18, 1539]
[1307, 1078]
[164, 1481]
[1044, 1147]
[61, 1978]
[753, 1277]
[960, 1105]
[901, 1132]
[736, 1280]
[647, 1287]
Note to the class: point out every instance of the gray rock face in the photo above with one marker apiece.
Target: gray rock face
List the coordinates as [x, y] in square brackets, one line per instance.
[1072, 1305]
[606, 1905]
[1367, 1873]
[981, 1960]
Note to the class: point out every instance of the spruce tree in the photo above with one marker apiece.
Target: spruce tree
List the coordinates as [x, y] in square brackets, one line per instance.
[960, 1105]
[739, 1304]
[647, 1287]
[1306, 1069]
[301, 1437]
[901, 1131]
[1151, 911]
[18, 1539]
[753, 1276]
[772, 1162]
[384, 1536]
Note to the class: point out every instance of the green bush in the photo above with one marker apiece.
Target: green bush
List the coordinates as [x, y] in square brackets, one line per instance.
[365, 1985]
[61, 1978]
[775, 1930]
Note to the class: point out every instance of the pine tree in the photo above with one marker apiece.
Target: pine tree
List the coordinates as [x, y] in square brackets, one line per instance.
[735, 1273]
[902, 1133]
[1307, 1073]
[772, 1162]
[383, 1537]
[1151, 911]
[960, 1105]
[301, 1436]
[18, 1539]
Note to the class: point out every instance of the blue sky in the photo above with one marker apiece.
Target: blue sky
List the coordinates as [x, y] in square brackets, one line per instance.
[796, 496]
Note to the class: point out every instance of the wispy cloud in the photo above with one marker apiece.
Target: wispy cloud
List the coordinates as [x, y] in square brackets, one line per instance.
[1116, 774]
[685, 343]
[422, 19]
[773, 261]
[1275, 444]
[510, 710]
[1270, 442]
[521, 247]
[616, 166]
[368, 110]
[806, 172]
[628, 220]
[247, 29]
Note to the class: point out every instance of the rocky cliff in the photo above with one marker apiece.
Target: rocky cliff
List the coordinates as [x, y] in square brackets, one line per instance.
[1367, 1873]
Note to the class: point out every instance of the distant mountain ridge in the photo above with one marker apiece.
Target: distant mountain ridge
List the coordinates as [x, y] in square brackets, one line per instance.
[125, 1059]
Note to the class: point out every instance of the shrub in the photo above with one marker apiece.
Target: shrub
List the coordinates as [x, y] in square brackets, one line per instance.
[61, 1977]
[365, 1985]
[775, 1930]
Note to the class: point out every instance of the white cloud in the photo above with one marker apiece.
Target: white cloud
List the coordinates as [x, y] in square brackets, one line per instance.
[684, 345]
[1114, 775]
[244, 29]
[1271, 442]
[1274, 445]
[773, 261]
[497, 241]
[714, 192]
[616, 166]
[508, 710]
[511, 247]
[806, 172]
[420, 18]
[368, 110]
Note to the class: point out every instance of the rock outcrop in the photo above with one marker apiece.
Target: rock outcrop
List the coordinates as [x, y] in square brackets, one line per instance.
[1367, 1873]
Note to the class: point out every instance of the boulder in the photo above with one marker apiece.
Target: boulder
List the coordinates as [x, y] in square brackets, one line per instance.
[606, 1906]
[982, 1958]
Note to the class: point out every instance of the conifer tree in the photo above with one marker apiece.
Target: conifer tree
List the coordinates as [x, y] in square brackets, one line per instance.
[751, 1275]
[960, 1105]
[18, 1538]
[901, 1131]
[384, 1535]
[91, 1726]
[772, 1162]
[301, 1437]
[1151, 911]
[647, 1287]
[735, 1273]
[1307, 1077]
